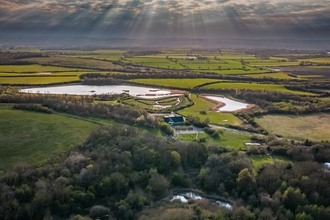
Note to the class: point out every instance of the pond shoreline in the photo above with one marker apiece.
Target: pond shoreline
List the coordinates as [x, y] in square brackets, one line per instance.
[198, 193]
[220, 104]
[79, 89]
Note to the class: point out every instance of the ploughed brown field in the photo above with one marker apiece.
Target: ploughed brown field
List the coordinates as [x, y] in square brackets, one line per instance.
[308, 71]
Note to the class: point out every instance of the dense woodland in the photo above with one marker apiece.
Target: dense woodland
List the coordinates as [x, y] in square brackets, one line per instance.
[119, 172]
[14, 58]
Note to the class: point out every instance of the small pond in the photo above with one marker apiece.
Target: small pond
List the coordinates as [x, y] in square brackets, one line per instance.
[184, 197]
[143, 92]
[230, 105]
[327, 165]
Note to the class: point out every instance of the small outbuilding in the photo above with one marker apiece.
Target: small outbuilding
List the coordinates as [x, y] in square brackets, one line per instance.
[174, 120]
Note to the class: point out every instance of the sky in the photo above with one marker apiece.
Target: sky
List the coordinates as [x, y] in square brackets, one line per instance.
[294, 19]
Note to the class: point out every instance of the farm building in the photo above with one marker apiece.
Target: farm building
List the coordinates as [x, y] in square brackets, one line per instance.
[174, 120]
[190, 58]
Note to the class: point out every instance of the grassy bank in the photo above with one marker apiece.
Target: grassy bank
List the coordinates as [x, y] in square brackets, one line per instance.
[29, 137]
[215, 117]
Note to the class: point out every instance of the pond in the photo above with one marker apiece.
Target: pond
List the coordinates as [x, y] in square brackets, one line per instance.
[143, 92]
[230, 105]
[184, 197]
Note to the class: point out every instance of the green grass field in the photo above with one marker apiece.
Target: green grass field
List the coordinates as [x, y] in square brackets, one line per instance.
[271, 63]
[279, 75]
[315, 127]
[77, 62]
[212, 64]
[227, 139]
[37, 80]
[255, 86]
[111, 57]
[153, 62]
[177, 83]
[281, 159]
[53, 74]
[258, 160]
[30, 137]
[34, 69]
[247, 71]
[31, 78]
[229, 55]
[215, 117]
[318, 60]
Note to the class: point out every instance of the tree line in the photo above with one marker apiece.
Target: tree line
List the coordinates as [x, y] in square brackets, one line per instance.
[119, 172]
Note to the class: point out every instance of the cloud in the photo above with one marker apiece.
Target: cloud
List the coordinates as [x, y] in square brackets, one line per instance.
[143, 18]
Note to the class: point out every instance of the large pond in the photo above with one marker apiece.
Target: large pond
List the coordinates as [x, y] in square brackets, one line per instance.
[184, 197]
[230, 105]
[144, 92]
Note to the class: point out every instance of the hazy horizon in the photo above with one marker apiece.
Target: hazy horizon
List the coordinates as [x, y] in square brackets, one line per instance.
[141, 19]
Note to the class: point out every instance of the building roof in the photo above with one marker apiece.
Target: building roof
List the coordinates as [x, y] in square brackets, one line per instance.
[174, 119]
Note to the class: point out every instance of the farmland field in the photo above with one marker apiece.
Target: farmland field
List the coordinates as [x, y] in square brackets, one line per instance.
[111, 57]
[278, 75]
[309, 71]
[318, 60]
[177, 83]
[229, 56]
[212, 64]
[272, 63]
[37, 80]
[153, 62]
[76, 62]
[314, 127]
[30, 137]
[255, 86]
[215, 117]
[258, 160]
[34, 78]
[246, 71]
[227, 139]
[35, 69]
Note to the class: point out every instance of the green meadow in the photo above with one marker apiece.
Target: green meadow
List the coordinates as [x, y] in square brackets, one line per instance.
[65, 61]
[314, 127]
[30, 137]
[37, 80]
[247, 71]
[255, 86]
[258, 160]
[215, 117]
[35, 68]
[277, 75]
[153, 62]
[176, 83]
[34, 78]
[229, 139]
[272, 63]
[318, 60]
